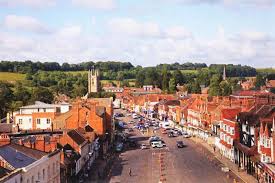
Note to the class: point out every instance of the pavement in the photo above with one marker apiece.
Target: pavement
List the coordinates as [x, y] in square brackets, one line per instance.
[192, 164]
[241, 174]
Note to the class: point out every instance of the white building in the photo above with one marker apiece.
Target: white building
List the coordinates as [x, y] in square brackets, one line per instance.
[39, 115]
[29, 165]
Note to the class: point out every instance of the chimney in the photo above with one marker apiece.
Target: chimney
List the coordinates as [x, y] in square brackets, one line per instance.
[8, 118]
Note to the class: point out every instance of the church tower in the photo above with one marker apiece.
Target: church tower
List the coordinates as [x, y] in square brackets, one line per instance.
[93, 80]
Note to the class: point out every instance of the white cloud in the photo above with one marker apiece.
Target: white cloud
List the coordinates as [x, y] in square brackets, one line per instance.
[97, 4]
[178, 32]
[131, 27]
[72, 44]
[27, 3]
[257, 3]
[24, 23]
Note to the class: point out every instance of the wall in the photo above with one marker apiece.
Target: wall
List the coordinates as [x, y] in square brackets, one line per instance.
[26, 121]
[45, 170]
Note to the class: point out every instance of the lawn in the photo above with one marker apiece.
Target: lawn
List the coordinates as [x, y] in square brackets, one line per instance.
[10, 76]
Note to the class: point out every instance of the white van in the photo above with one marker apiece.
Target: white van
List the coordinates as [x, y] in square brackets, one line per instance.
[164, 125]
[157, 144]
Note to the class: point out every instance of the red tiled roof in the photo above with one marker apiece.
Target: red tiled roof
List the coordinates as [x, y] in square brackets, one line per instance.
[230, 113]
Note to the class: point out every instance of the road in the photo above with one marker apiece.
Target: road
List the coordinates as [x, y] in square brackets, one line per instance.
[172, 165]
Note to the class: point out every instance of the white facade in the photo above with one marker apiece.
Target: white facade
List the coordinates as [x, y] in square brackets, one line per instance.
[44, 170]
[36, 110]
[43, 123]
[24, 122]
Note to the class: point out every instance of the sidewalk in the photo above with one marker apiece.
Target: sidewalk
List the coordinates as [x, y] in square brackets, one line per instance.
[241, 174]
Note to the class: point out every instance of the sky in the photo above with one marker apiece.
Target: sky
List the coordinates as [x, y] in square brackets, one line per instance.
[143, 32]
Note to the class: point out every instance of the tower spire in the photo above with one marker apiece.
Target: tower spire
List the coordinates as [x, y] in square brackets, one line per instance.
[224, 73]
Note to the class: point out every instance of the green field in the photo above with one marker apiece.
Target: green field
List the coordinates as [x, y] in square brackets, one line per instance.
[266, 70]
[189, 71]
[9, 76]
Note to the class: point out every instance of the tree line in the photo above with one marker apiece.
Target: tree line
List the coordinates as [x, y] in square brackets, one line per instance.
[33, 67]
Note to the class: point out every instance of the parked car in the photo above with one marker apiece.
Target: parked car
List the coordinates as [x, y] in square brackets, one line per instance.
[180, 144]
[144, 146]
[186, 135]
[157, 144]
[154, 138]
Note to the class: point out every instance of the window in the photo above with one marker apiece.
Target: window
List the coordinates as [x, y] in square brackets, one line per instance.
[267, 143]
[44, 110]
[28, 181]
[38, 175]
[232, 131]
[224, 127]
[38, 121]
[30, 120]
[48, 121]
[32, 179]
[20, 121]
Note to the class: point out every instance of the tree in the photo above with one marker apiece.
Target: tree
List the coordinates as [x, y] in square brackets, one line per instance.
[140, 78]
[195, 87]
[226, 88]
[6, 97]
[259, 81]
[42, 94]
[165, 79]
[172, 85]
[21, 93]
[177, 75]
[214, 88]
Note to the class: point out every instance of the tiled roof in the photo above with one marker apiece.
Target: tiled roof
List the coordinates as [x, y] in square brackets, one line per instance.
[75, 136]
[19, 156]
[230, 113]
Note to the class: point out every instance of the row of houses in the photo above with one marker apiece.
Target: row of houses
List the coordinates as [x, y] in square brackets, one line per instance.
[77, 134]
[240, 126]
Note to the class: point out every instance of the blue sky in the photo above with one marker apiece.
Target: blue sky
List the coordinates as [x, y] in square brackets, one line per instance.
[144, 32]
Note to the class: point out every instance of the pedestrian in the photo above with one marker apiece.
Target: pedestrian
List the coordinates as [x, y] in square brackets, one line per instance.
[130, 172]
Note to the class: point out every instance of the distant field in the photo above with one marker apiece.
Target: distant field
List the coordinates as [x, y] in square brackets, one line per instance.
[266, 70]
[9, 76]
[189, 71]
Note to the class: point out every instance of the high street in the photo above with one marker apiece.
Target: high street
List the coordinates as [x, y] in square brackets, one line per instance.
[192, 163]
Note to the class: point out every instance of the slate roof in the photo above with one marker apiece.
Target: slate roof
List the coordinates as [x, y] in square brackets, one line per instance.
[75, 136]
[19, 156]
[88, 128]
[5, 128]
